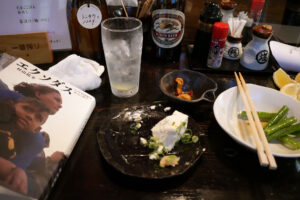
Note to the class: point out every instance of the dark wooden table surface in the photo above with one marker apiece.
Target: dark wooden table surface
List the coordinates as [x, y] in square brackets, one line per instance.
[226, 170]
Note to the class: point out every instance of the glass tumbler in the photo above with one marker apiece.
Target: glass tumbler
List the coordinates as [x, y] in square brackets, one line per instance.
[122, 39]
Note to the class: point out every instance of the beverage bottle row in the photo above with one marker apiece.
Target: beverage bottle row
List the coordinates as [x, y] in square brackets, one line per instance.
[167, 28]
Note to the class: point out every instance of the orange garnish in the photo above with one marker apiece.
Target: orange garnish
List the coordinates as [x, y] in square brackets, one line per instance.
[179, 93]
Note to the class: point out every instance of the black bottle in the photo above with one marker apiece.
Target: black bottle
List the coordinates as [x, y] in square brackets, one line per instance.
[208, 17]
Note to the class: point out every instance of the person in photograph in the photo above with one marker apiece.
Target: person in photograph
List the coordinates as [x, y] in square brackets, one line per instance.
[48, 95]
[20, 120]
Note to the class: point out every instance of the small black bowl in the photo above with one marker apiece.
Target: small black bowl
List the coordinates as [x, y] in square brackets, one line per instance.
[203, 87]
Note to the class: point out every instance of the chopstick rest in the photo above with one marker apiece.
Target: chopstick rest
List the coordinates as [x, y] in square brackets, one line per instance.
[264, 153]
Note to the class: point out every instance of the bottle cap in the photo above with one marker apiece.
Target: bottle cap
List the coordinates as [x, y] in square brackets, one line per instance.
[211, 13]
[263, 31]
[220, 30]
[257, 4]
[228, 5]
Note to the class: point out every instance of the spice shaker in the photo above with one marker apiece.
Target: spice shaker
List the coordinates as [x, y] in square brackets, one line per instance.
[256, 53]
[227, 9]
[219, 35]
[208, 17]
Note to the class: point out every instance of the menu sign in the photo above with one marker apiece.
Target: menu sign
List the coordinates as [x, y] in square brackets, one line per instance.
[18, 16]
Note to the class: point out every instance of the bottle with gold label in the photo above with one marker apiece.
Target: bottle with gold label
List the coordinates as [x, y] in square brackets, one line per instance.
[168, 22]
[84, 25]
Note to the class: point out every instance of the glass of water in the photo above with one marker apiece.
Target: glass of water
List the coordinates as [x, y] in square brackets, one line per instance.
[122, 39]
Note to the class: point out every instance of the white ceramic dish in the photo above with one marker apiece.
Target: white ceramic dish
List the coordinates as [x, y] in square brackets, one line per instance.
[229, 103]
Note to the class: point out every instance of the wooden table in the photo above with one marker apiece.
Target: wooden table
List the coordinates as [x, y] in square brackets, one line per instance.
[226, 170]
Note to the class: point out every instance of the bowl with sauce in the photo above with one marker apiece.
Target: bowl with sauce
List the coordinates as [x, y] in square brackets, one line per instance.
[188, 86]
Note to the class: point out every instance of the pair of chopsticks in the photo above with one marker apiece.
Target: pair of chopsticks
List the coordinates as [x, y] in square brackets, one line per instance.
[264, 154]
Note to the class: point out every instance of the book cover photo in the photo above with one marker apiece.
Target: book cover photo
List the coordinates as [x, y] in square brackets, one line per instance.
[41, 119]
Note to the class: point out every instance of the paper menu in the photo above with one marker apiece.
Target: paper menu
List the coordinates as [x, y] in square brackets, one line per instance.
[27, 16]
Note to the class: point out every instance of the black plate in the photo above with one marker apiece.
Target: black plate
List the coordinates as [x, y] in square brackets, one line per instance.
[122, 149]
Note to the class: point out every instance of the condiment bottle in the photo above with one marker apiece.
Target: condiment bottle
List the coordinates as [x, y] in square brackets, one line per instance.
[219, 35]
[168, 22]
[256, 10]
[227, 9]
[256, 53]
[208, 17]
[233, 48]
[84, 26]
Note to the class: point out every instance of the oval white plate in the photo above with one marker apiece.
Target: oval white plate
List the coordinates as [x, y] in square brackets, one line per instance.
[229, 103]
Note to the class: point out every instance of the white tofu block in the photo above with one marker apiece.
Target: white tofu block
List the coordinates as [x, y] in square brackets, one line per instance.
[169, 129]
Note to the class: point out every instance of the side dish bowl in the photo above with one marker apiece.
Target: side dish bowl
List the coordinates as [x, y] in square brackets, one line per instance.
[203, 87]
[229, 104]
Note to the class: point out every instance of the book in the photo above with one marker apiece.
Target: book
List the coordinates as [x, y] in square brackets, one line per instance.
[59, 132]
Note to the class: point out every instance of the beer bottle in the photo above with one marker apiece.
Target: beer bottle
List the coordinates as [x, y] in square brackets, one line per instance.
[168, 21]
[85, 30]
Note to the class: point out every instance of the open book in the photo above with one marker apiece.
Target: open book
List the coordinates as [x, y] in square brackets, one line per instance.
[38, 128]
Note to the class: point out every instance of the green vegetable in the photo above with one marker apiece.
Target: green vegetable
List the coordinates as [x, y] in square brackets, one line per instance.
[285, 131]
[153, 145]
[263, 116]
[280, 125]
[279, 115]
[289, 142]
[195, 139]
[186, 138]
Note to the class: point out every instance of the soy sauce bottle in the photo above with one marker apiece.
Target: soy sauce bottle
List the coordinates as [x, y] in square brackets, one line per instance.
[168, 22]
[84, 25]
[208, 17]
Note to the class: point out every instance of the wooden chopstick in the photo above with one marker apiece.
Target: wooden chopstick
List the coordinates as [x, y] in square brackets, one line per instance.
[260, 151]
[124, 8]
[271, 159]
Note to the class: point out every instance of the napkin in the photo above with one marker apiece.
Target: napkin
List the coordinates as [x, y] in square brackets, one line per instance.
[78, 71]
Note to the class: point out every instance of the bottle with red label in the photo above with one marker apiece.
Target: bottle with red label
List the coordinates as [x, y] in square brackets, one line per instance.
[168, 22]
[84, 25]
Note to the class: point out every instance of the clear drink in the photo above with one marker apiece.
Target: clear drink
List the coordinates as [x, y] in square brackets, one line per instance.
[122, 40]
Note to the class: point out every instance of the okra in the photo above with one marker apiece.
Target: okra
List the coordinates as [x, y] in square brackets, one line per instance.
[285, 131]
[279, 115]
[280, 125]
[289, 142]
[263, 116]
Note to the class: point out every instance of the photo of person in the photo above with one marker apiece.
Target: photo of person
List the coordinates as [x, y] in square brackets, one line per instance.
[21, 118]
[26, 154]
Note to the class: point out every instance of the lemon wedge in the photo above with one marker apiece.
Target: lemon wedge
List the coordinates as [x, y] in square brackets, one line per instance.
[291, 89]
[281, 78]
[297, 78]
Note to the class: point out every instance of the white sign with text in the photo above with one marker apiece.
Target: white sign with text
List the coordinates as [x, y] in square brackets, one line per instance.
[28, 16]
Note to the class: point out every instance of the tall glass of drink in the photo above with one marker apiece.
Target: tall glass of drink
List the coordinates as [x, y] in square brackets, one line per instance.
[122, 39]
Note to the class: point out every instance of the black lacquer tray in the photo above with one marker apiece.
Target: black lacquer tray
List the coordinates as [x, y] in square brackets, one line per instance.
[122, 149]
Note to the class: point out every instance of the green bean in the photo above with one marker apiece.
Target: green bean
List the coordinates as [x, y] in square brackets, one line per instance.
[285, 131]
[280, 125]
[279, 115]
[263, 116]
[289, 142]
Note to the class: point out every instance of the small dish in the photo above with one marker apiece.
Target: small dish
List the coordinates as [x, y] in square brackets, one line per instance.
[203, 87]
[229, 104]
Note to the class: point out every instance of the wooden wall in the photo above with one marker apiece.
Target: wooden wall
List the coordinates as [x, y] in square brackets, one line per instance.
[273, 13]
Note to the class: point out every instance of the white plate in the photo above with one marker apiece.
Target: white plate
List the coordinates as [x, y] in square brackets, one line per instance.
[229, 103]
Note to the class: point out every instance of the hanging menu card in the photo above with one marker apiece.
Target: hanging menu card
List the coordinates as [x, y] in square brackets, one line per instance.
[19, 16]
